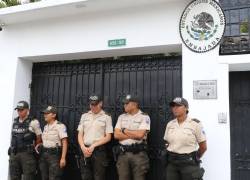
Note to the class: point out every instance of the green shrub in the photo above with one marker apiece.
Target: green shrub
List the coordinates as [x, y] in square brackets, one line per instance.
[244, 27]
[2, 4]
[12, 2]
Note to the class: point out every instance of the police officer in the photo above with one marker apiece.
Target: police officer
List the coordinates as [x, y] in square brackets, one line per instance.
[131, 131]
[94, 131]
[26, 132]
[54, 147]
[186, 143]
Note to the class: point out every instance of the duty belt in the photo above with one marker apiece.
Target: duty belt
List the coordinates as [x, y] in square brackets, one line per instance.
[134, 148]
[25, 148]
[176, 158]
[14, 150]
[56, 150]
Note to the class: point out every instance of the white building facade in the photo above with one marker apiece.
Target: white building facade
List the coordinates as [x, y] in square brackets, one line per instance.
[78, 29]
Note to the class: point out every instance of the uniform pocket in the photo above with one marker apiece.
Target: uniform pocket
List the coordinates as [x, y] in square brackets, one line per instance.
[137, 121]
[101, 122]
[187, 131]
[136, 124]
[86, 121]
[29, 163]
[124, 123]
[142, 161]
[198, 174]
[170, 130]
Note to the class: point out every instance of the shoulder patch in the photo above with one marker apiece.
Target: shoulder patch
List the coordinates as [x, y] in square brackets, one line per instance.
[196, 120]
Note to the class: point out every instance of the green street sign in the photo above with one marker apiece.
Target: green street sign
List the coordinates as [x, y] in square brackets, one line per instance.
[116, 42]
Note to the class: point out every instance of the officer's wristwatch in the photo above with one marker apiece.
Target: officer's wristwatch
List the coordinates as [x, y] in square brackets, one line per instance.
[123, 130]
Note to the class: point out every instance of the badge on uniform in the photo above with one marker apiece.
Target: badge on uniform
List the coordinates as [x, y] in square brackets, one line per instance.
[148, 121]
[203, 132]
[20, 104]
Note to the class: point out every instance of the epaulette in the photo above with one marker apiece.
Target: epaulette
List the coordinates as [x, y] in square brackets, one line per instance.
[58, 122]
[196, 120]
[144, 113]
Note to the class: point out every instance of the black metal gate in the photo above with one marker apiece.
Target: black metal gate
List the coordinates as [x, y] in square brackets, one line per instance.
[156, 79]
[240, 125]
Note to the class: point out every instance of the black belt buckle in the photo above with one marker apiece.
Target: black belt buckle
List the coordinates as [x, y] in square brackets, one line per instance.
[122, 148]
[49, 150]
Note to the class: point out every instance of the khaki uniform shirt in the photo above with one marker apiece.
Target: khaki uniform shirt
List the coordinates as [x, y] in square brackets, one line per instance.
[34, 126]
[95, 126]
[184, 138]
[138, 121]
[53, 133]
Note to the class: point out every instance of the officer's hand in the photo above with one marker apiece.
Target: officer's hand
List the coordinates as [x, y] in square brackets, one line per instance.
[91, 149]
[62, 162]
[85, 152]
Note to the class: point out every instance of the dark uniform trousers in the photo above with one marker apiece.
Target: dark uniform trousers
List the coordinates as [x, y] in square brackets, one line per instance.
[94, 167]
[49, 166]
[134, 165]
[183, 167]
[184, 172]
[22, 163]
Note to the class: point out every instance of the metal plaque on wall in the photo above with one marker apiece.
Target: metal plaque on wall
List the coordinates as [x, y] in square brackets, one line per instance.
[205, 89]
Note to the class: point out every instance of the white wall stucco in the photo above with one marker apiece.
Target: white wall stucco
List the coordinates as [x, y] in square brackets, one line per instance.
[207, 67]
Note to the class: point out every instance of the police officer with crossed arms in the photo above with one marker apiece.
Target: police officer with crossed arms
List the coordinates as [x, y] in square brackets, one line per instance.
[131, 130]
